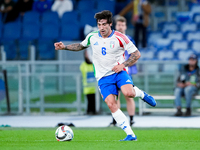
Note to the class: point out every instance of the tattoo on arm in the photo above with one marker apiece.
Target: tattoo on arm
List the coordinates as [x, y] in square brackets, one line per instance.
[74, 47]
[132, 59]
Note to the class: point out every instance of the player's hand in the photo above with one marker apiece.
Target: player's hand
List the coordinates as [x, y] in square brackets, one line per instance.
[118, 68]
[59, 46]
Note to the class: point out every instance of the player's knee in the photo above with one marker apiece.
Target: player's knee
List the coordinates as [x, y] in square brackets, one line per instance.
[112, 106]
[129, 94]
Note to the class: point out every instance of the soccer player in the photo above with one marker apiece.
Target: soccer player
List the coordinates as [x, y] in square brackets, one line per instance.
[109, 66]
[121, 26]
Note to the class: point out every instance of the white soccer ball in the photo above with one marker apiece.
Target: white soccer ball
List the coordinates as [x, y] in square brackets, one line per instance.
[64, 133]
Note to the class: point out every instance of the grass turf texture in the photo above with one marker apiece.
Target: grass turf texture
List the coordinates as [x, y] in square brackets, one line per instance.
[99, 139]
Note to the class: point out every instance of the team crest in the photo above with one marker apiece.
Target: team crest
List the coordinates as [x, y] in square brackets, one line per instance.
[112, 44]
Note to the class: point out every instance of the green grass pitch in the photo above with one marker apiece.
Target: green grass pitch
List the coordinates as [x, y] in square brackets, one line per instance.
[99, 139]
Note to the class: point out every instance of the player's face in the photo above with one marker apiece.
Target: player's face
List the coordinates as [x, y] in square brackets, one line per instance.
[104, 27]
[121, 27]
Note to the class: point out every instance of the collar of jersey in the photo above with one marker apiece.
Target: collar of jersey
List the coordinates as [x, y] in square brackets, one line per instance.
[113, 31]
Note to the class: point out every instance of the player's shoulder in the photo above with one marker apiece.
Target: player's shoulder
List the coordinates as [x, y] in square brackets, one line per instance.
[131, 39]
[93, 33]
[122, 36]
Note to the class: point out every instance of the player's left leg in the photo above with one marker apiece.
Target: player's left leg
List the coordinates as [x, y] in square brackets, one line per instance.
[125, 83]
[130, 91]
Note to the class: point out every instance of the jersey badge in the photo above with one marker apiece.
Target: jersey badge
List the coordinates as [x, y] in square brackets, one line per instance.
[112, 44]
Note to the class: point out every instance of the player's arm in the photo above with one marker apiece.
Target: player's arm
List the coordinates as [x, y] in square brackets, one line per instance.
[71, 47]
[132, 59]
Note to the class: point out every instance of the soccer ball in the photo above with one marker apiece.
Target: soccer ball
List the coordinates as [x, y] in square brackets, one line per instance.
[64, 133]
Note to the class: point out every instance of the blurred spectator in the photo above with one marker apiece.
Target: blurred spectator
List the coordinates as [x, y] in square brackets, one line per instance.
[42, 5]
[89, 81]
[195, 1]
[6, 6]
[20, 8]
[62, 6]
[188, 83]
[24, 5]
[141, 11]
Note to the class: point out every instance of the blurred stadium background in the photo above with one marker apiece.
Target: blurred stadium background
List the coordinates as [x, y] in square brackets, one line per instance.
[42, 80]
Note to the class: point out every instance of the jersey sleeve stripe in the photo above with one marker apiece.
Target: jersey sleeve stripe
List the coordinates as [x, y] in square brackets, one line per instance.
[122, 36]
[120, 42]
[89, 40]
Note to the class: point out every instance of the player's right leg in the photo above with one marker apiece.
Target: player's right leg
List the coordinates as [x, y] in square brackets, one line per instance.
[130, 108]
[114, 123]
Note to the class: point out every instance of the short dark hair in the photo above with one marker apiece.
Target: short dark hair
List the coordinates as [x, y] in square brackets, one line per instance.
[105, 14]
[121, 19]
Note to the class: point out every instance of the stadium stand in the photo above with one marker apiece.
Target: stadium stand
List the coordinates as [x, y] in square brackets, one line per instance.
[1, 30]
[165, 55]
[83, 5]
[196, 18]
[11, 32]
[162, 43]
[31, 17]
[47, 18]
[87, 18]
[194, 35]
[70, 31]
[35, 26]
[10, 47]
[106, 5]
[186, 27]
[175, 35]
[195, 45]
[184, 55]
[183, 17]
[45, 50]
[147, 54]
[170, 27]
[46, 31]
[195, 8]
[30, 31]
[66, 18]
[179, 45]
[153, 36]
[24, 46]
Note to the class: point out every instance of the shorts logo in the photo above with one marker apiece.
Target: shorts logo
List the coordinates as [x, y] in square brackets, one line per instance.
[112, 44]
[128, 80]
